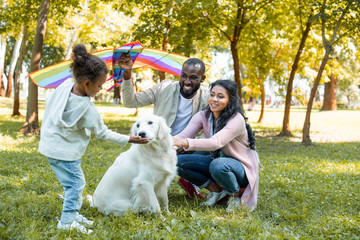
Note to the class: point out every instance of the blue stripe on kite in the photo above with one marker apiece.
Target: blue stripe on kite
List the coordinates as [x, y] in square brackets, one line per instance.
[57, 83]
[48, 81]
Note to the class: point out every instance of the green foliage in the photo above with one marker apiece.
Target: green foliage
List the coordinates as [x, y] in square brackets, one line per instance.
[304, 192]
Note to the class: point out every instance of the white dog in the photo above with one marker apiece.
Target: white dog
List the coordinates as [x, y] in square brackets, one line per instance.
[139, 178]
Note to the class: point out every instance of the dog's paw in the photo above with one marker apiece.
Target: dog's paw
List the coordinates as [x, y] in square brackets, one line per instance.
[89, 198]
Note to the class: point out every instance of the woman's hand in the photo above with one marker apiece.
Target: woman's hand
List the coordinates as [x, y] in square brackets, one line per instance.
[180, 143]
[138, 139]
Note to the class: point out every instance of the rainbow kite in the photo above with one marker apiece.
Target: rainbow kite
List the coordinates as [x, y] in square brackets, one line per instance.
[53, 76]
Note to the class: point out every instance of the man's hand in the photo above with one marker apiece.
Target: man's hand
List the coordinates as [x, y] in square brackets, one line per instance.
[125, 62]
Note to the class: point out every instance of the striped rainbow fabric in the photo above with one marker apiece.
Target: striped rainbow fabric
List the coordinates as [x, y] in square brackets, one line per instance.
[53, 76]
[160, 60]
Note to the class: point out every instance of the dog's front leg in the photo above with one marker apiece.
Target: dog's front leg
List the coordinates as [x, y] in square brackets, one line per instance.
[162, 197]
[143, 194]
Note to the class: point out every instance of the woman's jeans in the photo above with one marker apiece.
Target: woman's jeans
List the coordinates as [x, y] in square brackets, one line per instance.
[201, 169]
[71, 177]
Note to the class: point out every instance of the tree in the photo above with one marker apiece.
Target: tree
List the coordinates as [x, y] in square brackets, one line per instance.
[349, 80]
[304, 35]
[14, 58]
[341, 18]
[18, 69]
[329, 103]
[32, 119]
[2, 61]
[259, 53]
[230, 18]
[170, 26]
[13, 19]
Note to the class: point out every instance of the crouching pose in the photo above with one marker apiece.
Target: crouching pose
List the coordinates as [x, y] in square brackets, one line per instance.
[230, 164]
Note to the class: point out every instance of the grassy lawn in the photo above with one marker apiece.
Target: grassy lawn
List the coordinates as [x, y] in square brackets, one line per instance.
[304, 192]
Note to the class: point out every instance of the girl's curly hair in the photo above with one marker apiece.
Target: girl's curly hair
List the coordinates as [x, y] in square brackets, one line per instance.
[86, 66]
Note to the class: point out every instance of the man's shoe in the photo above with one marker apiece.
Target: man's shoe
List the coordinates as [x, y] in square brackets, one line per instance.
[189, 188]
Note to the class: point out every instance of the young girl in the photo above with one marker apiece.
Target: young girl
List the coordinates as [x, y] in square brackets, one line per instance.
[68, 121]
[232, 165]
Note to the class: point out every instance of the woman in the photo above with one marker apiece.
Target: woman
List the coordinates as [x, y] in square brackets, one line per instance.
[231, 166]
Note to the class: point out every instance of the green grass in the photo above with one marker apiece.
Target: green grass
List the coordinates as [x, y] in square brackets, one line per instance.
[304, 192]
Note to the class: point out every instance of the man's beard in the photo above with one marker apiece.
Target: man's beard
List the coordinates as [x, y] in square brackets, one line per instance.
[188, 94]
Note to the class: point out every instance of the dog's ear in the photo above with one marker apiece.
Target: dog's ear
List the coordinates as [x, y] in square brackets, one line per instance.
[164, 130]
[133, 129]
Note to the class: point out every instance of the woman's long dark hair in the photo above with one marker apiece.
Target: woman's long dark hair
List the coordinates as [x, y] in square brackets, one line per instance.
[231, 109]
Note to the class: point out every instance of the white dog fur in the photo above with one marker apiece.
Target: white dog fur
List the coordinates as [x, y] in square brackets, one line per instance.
[139, 178]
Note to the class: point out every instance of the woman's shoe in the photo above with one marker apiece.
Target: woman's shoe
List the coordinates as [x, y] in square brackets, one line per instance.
[234, 204]
[213, 197]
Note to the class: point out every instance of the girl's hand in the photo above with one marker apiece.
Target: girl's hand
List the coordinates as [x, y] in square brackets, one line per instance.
[138, 139]
[180, 143]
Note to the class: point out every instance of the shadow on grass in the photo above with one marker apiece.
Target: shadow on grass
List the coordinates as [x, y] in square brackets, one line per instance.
[122, 125]
[11, 127]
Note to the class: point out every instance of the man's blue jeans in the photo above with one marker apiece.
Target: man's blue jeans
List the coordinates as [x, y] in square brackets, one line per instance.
[71, 177]
[201, 169]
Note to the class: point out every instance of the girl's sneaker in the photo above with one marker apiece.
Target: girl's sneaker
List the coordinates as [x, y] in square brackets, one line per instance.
[189, 188]
[214, 197]
[234, 204]
[74, 225]
[83, 220]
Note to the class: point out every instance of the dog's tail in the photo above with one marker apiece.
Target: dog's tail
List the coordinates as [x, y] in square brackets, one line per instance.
[90, 199]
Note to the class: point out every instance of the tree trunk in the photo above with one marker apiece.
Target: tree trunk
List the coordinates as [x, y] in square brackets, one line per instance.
[18, 68]
[117, 93]
[165, 40]
[32, 117]
[306, 129]
[2, 62]
[235, 56]
[164, 48]
[262, 91]
[330, 94]
[13, 62]
[71, 44]
[286, 120]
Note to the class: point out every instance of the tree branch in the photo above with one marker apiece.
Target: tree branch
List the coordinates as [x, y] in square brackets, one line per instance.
[322, 11]
[300, 16]
[212, 23]
[261, 6]
[338, 23]
[342, 35]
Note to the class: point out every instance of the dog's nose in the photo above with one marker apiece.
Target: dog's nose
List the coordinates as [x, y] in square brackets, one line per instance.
[142, 134]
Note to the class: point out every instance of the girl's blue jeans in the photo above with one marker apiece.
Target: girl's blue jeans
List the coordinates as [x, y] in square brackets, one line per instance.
[71, 177]
[201, 169]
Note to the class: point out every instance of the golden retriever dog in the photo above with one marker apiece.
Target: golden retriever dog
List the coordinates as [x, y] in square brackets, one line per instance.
[139, 178]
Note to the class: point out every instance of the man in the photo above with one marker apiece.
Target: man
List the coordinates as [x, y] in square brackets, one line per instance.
[175, 101]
